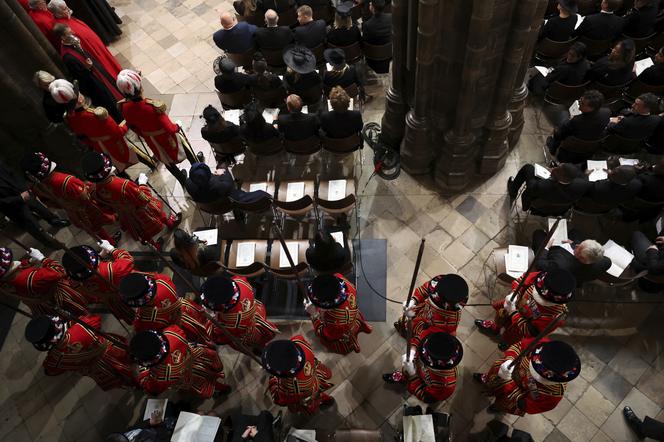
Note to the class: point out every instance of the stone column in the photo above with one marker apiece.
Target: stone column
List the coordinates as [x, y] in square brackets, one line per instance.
[417, 153]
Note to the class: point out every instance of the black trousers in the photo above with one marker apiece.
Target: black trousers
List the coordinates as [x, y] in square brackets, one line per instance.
[27, 217]
[262, 422]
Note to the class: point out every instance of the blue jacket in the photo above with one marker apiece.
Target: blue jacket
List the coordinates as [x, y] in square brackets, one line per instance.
[238, 39]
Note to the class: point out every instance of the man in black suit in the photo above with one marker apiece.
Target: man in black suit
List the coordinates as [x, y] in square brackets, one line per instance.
[18, 204]
[652, 182]
[640, 21]
[566, 185]
[654, 75]
[570, 72]
[273, 36]
[589, 125]
[604, 25]
[648, 256]
[560, 27]
[619, 187]
[378, 31]
[296, 125]
[638, 123]
[587, 262]
[340, 122]
[229, 81]
[310, 33]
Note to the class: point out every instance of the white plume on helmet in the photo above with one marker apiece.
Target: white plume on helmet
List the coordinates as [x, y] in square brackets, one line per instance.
[63, 91]
[129, 82]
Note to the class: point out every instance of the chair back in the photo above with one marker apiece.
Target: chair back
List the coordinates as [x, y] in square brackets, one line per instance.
[596, 48]
[234, 100]
[548, 50]
[353, 52]
[295, 208]
[243, 59]
[377, 52]
[217, 207]
[318, 52]
[312, 95]
[307, 146]
[577, 148]
[543, 207]
[288, 272]
[611, 93]
[617, 144]
[254, 269]
[640, 43]
[274, 57]
[343, 145]
[272, 98]
[637, 87]
[234, 146]
[263, 148]
[589, 207]
[558, 93]
[258, 206]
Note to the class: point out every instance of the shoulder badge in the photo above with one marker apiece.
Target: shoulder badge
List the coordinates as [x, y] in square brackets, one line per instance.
[160, 106]
[177, 356]
[307, 369]
[101, 113]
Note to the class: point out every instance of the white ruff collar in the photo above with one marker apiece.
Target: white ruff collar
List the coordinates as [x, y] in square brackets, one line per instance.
[539, 377]
[542, 301]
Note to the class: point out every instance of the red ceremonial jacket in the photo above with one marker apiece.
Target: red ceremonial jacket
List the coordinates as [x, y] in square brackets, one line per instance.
[167, 309]
[530, 317]
[427, 313]
[83, 351]
[247, 320]
[522, 394]
[430, 384]
[186, 367]
[148, 119]
[302, 393]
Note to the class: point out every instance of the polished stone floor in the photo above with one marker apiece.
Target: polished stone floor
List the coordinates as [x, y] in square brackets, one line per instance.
[620, 344]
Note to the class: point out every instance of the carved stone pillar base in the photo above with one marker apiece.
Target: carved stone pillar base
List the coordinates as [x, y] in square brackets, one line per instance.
[393, 123]
[496, 148]
[515, 108]
[454, 167]
[416, 152]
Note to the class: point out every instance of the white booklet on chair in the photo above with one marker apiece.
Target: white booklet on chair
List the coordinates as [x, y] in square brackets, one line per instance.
[294, 191]
[561, 231]
[597, 170]
[574, 109]
[246, 252]
[192, 427]
[620, 258]
[336, 190]
[516, 260]
[155, 404]
[232, 115]
[542, 172]
[293, 248]
[642, 65]
[543, 70]
[338, 236]
[253, 187]
[208, 235]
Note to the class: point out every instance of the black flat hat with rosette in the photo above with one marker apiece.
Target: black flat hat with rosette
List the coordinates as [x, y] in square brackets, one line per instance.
[148, 348]
[219, 293]
[73, 262]
[283, 358]
[6, 259]
[137, 289]
[441, 351]
[556, 286]
[36, 164]
[450, 289]
[556, 361]
[327, 291]
[96, 166]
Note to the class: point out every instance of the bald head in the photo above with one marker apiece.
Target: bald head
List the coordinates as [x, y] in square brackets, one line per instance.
[271, 17]
[227, 20]
[294, 103]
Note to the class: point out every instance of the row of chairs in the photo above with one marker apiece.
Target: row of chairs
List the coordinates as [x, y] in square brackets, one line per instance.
[576, 150]
[616, 97]
[588, 207]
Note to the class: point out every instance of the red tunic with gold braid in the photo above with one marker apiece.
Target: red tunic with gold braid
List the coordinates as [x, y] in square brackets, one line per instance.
[166, 309]
[530, 317]
[88, 354]
[38, 286]
[188, 367]
[102, 134]
[63, 191]
[148, 119]
[522, 394]
[247, 320]
[305, 391]
[426, 312]
[430, 384]
[140, 213]
[112, 270]
[338, 327]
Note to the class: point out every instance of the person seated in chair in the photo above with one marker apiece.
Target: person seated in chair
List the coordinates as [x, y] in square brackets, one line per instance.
[301, 76]
[654, 75]
[229, 81]
[194, 255]
[327, 255]
[234, 37]
[652, 181]
[640, 20]
[621, 186]
[570, 72]
[261, 79]
[218, 131]
[340, 122]
[589, 125]
[254, 129]
[560, 27]
[648, 256]
[206, 187]
[566, 185]
[343, 31]
[602, 26]
[255, 428]
[310, 33]
[294, 124]
[640, 121]
[377, 31]
[616, 68]
[273, 36]
[341, 74]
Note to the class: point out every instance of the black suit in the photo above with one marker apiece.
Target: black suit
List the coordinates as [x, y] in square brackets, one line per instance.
[344, 37]
[258, 134]
[215, 135]
[602, 72]
[341, 124]
[548, 190]
[600, 26]
[311, 34]
[343, 78]
[559, 258]
[653, 76]
[652, 186]
[277, 5]
[297, 125]
[588, 126]
[232, 82]
[570, 74]
[273, 38]
[608, 194]
[299, 83]
[149, 433]
[640, 22]
[558, 28]
[635, 126]
[645, 258]
[378, 31]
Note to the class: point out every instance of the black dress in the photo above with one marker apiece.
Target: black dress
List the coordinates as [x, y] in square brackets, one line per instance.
[100, 16]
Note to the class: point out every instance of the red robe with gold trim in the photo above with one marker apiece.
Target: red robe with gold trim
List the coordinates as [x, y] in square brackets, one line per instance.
[63, 191]
[430, 384]
[338, 327]
[167, 309]
[188, 367]
[112, 270]
[247, 320]
[522, 394]
[139, 212]
[148, 119]
[305, 391]
[88, 354]
[47, 283]
[530, 317]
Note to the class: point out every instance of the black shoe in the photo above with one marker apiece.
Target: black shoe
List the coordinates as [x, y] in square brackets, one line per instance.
[479, 323]
[59, 223]
[183, 173]
[511, 190]
[502, 346]
[200, 157]
[478, 377]
[387, 377]
[117, 236]
[633, 421]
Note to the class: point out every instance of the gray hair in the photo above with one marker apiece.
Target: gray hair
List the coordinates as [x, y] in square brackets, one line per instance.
[589, 251]
[56, 6]
[32, 4]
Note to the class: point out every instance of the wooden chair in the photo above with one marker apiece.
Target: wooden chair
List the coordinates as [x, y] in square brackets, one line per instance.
[542, 207]
[628, 277]
[499, 265]
[244, 59]
[318, 52]
[272, 98]
[617, 144]
[339, 206]
[258, 206]
[558, 93]
[307, 146]
[274, 58]
[287, 272]
[596, 49]
[343, 145]
[576, 150]
[640, 44]
[655, 44]
[589, 207]
[234, 100]
[353, 52]
[637, 87]
[254, 269]
[612, 94]
[298, 207]
[377, 52]
[548, 51]
[234, 146]
[264, 148]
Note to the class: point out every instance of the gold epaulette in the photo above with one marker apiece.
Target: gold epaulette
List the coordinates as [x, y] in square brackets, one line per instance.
[101, 113]
[160, 106]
